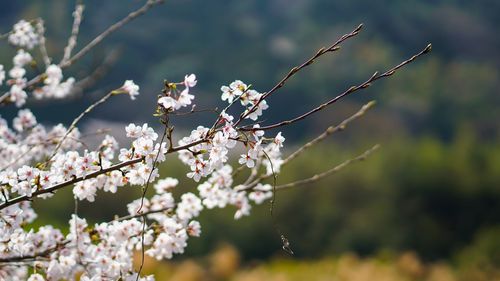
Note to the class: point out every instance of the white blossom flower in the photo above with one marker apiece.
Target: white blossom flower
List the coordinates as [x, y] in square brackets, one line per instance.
[131, 88]
[27, 173]
[143, 146]
[18, 95]
[235, 89]
[23, 188]
[227, 94]
[24, 35]
[185, 98]
[195, 175]
[148, 132]
[190, 80]
[168, 103]
[279, 139]
[24, 120]
[260, 193]
[165, 185]
[54, 75]
[194, 228]
[133, 131]
[22, 58]
[246, 159]
[189, 207]
[17, 73]
[240, 200]
[256, 132]
[85, 190]
[255, 112]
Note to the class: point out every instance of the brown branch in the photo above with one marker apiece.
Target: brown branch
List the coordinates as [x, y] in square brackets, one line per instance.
[76, 120]
[330, 171]
[98, 73]
[35, 256]
[329, 131]
[141, 215]
[376, 76]
[149, 4]
[69, 182]
[334, 47]
[47, 252]
[43, 48]
[55, 187]
[77, 19]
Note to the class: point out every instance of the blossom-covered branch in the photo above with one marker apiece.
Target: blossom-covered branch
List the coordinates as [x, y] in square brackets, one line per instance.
[48, 159]
[24, 35]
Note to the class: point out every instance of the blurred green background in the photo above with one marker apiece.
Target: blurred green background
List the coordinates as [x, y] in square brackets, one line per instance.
[434, 186]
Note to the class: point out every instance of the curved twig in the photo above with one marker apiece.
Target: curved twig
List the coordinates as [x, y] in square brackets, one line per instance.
[376, 76]
[334, 47]
[333, 170]
[330, 130]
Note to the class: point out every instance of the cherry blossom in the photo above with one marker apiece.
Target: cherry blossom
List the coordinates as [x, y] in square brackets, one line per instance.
[37, 160]
[190, 80]
[24, 35]
[166, 185]
[130, 88]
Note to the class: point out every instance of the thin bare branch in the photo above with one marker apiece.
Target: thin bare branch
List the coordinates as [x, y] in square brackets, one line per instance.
[331, 171]
[99, 72]
[42, 45]
[5, 35]
[329, 131]
[77, 19]
[142, 214]
[376, 76]
[76, 120]
[334, 47]
[149, 4]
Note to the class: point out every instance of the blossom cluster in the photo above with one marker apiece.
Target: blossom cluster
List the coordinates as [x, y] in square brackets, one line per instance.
[24, 35]
[228, 162]
[249, 98]
[49, 84]
[37, 160]
[159, 223]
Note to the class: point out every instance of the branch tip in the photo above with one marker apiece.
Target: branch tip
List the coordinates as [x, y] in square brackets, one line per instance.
[428, 48]
[360, 26]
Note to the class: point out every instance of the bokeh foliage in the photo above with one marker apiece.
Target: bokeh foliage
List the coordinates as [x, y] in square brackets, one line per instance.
[432, 188]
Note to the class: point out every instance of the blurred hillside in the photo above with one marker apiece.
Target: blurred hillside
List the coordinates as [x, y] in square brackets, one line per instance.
[258, 41]
[434, 187]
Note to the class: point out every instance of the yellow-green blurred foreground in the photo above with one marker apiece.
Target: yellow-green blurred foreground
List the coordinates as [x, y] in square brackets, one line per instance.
[224, 264]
